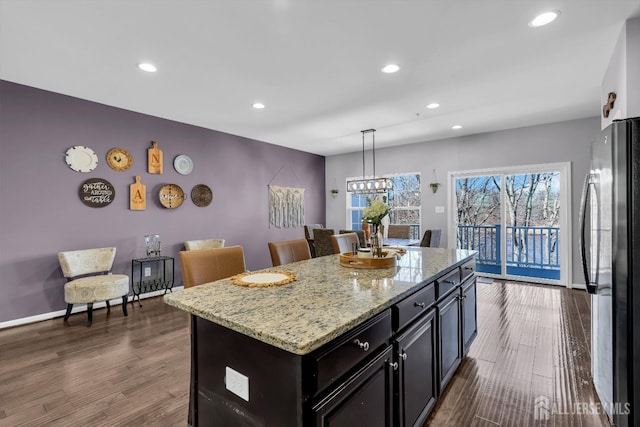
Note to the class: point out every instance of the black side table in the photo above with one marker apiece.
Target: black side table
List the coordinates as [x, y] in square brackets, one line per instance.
[162, 279]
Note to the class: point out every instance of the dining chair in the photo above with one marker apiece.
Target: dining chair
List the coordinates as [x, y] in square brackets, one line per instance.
[322, 241]
[344, 242]
[191, 245]
[208, 265]
[289, 251]
[435, 237]
[89, 279]
[397, 231]
[431, 238]
[362, 240]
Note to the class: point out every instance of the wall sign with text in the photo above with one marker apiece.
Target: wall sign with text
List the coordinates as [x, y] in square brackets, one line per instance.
[97, 192]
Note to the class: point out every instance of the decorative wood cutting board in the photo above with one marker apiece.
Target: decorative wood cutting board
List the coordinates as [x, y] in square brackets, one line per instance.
[137, 196]
[154, 158]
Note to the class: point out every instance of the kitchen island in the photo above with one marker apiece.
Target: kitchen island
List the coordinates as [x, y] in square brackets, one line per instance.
[337, 346]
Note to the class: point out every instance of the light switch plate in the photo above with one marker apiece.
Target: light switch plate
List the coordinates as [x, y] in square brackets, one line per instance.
[237, 383]
[439, 209]
[147, 271]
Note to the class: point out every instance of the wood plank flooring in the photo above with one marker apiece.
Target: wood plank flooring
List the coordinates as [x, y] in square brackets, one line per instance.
[134, 371]
[533, 345]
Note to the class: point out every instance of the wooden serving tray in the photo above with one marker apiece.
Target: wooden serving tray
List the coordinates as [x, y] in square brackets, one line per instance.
[347, 259]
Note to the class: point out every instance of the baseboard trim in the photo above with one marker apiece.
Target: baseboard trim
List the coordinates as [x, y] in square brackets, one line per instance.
[76, 309]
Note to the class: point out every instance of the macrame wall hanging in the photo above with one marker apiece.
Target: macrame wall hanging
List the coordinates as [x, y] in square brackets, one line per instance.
[286, 205]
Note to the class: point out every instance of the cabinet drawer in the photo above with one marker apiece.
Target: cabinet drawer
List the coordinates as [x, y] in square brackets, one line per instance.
[446, 283]
[356, 345]
[467, 270]
[413, 306]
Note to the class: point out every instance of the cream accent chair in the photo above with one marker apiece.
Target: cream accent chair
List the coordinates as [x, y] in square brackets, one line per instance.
[289, 251]
[209, 265]
[89, 279]
[192, 245]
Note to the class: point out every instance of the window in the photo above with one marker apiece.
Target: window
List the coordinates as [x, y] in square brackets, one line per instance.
[404, 200]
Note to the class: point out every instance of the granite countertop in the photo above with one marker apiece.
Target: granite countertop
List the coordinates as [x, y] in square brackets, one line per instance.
[325, 301]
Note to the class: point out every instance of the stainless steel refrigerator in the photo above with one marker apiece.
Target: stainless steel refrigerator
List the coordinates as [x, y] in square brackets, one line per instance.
[610, 248]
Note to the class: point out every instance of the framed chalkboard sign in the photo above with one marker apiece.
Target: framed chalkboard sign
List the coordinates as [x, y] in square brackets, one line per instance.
[97, 192]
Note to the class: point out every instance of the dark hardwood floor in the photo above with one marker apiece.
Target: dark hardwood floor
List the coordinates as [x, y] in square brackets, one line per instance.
[134, 371]
[533, 346]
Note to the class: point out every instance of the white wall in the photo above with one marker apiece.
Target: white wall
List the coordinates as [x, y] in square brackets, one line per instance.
[551, 143]
[623, 75]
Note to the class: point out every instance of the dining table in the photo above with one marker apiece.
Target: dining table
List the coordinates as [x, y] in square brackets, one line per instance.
[394, 241]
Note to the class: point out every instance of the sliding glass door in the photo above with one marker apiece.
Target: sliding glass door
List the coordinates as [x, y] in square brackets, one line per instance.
[517, 220]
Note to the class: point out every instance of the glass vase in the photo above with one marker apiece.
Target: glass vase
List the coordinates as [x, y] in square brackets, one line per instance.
[376, 241]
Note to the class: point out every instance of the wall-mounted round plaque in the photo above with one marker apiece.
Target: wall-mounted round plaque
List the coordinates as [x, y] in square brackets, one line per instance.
[201, 195]
[97, 192]
[119, 159]
[81, 158]
[183, 164]
[171, 196]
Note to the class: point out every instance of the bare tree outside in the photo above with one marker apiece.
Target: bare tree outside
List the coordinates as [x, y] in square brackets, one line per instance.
[532, 206]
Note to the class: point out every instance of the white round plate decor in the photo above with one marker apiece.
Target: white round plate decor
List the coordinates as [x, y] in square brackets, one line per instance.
[263, 279]
[81, 158]
[183, 164]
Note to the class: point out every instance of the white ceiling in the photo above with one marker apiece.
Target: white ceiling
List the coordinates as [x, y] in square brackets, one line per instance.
[316, 64]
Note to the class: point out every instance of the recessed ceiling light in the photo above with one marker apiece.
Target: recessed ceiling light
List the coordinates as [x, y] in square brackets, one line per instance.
[149, 68]
[433, 105]
[544, 18]
[258, 105]
[456, 127]
[391, 68]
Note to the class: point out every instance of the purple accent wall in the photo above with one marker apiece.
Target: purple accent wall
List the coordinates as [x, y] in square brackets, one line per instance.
[41, 213]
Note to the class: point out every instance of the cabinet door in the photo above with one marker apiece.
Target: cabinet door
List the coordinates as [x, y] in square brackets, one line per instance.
[449, 335]
[469, 315]
[364, 399]
[417, 373]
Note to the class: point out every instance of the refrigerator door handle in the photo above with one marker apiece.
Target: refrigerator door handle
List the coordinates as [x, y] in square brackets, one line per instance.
[586, 190]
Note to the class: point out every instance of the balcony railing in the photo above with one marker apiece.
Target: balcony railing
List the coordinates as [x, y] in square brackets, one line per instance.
[531, 251]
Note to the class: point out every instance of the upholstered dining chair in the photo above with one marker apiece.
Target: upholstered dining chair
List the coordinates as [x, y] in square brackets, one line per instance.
[344, 242]
[431, 238]
[289, 251]
[192, 245]
[208, 265]
[362, 240]
[397, 231]
[89, 280]
[322, 241]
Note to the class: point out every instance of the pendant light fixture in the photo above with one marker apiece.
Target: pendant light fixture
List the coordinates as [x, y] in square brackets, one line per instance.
[371, 185]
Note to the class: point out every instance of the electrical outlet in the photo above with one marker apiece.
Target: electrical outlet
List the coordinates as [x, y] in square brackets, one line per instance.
[439, 209]
[147, 271]
[237, 383]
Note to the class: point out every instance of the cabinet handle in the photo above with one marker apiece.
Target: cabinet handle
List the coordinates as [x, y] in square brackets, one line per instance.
[394, 365]
[363, 345]
[468, 268]
[418, 304]
[451, 282]
[403, 355]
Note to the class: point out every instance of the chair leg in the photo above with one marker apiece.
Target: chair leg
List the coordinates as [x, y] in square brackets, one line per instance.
[124, 305]
[89, 314]
[68, 313]
[108, 307]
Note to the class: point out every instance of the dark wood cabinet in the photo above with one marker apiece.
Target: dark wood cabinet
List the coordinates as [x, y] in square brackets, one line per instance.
[449, 337]
[469, 312]
[387, 370]
[364, 399]
[416, 385]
